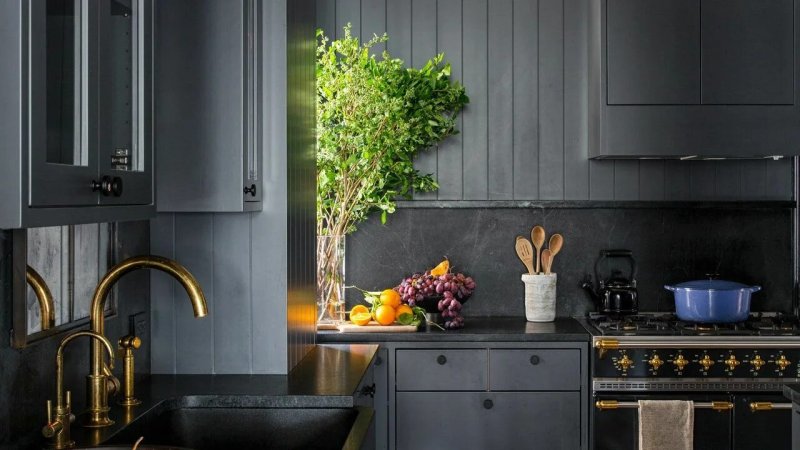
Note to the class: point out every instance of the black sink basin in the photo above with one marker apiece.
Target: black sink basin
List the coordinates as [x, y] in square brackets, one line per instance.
[211, 428]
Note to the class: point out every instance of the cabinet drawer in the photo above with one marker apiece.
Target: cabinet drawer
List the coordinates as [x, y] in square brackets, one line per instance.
[535, 370]
[437, 370]
[488, 420]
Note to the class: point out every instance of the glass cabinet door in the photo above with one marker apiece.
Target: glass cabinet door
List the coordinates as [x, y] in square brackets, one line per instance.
[63, 160]
[124, 135]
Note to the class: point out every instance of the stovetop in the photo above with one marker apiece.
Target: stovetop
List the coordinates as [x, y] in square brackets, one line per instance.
[667, 324]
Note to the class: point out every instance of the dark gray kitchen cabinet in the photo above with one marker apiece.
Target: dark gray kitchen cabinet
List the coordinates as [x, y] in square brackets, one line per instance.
[76, 125]
[488, 420]
[208, 81]
[693, 78]
[795, 425]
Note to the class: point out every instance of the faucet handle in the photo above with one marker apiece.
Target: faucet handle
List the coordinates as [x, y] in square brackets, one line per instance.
[52, 427]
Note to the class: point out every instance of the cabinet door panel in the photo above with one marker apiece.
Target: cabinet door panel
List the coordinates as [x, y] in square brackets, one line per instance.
[653, 51]
[62, 154]
[474, 420]
[748, 52]
[534, 370]
[436, 370]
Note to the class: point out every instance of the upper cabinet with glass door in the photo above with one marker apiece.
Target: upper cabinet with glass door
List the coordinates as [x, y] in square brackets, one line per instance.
[75, 130]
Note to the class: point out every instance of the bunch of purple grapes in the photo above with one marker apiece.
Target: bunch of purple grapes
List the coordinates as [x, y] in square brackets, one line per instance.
[453, 288]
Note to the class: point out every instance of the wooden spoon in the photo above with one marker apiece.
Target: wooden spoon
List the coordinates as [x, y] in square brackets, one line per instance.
[547, 260]
[525, 252]
[555, 244]
[537, 237]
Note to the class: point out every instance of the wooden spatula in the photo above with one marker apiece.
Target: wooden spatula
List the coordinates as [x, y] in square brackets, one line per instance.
[525, 252]
[547, 260]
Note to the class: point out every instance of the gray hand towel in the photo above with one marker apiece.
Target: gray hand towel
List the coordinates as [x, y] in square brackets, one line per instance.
[666, 425]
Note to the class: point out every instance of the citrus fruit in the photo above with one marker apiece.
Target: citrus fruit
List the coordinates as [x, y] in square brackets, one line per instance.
[441, 269]
[402, 309]
[390, 297]
[360, 318]
[384, 315]
[358, 309]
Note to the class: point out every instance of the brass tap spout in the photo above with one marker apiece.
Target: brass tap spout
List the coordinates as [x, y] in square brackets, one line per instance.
[45, 297]
[97, 390]
[58, 428]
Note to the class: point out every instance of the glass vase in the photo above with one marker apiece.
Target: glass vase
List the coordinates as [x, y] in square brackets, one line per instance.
[330, 281]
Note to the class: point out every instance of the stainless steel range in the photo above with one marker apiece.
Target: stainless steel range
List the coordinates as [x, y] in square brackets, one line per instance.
[733, 372]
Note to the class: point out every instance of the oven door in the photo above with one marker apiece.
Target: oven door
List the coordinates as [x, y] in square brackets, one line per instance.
[768, 428]
[618, 429]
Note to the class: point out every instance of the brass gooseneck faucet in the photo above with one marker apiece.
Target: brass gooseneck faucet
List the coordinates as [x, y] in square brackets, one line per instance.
[58, 427]
[44, 296]
[98, 380]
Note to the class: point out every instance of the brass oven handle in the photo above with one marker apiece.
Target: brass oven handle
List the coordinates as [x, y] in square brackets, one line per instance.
[614, 404]
[768, 406]
[605, 344]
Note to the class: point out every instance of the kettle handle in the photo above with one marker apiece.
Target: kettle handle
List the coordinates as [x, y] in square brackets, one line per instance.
[615, 253]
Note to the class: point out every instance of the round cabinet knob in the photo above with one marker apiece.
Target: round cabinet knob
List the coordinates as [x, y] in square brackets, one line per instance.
[441, 359]
[732, 362]
[625, 363]
[488, 404]
[783, 363]
[680, 362]
[534, 360]
[757, 362]
[706, 362]
[655, 362]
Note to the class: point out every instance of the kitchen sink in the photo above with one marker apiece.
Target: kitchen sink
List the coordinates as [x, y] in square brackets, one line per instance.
[211, 428]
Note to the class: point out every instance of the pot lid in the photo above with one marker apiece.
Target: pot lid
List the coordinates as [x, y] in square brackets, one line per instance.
[713, 285]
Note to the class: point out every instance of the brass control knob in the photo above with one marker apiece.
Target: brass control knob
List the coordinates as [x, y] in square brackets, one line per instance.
[706, 362]
[783, 363]
[625, 363]
[680, 362]
[757, 362]
[655, 362]
[732, 362]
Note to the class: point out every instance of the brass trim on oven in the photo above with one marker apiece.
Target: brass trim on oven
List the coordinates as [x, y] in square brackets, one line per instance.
[604, 405]
[768, 406]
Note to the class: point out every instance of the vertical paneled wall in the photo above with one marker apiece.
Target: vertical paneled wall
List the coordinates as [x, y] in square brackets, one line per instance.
[524, 133]
[256, 269]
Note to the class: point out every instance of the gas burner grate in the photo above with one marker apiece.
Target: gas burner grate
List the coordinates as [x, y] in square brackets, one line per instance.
[667, 324]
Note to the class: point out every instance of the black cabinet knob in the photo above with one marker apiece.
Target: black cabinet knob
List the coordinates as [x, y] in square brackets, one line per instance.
[250, 190]
[368, 391]
[108, 186]
[488, 404]
[441, 360]
[378, 361]
[534, 360]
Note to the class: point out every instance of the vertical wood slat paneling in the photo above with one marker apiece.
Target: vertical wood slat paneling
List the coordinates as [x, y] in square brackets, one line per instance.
[526, 97]
[373, 22]
[551, 99]
[232, 299]
[326, 17]
[194, 345]
[348, 11]
[492, 139]
[162, 310]
[475, 127]
[576, 99]
[449, 154]
[423, 47]
[501, 100]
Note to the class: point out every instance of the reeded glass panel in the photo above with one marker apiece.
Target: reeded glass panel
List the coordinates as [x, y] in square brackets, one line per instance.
[63, 83]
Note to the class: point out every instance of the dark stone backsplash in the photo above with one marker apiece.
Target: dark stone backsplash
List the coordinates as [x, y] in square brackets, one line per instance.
[670, 245]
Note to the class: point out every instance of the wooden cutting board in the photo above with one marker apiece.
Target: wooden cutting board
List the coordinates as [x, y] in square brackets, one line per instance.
[375, 327]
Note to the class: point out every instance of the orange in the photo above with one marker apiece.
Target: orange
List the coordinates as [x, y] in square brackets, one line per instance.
[361, 318]
[402, 309]
[358, 309]
[390, 297]
[441, 269]
[384, 315]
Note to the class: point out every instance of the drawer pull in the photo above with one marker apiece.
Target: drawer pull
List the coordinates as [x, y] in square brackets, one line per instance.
[368, 391]
[488, 403]
[535, 360]
[441, 359]
[378, 361]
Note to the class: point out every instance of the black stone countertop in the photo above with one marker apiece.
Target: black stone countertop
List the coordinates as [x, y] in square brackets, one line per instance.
[477, 329]
[326, 378]
[792, 391]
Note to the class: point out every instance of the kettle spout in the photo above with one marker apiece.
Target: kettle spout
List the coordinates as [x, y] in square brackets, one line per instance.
[588, 285]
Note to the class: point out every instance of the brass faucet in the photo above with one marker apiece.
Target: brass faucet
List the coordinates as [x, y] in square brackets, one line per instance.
[57, 429]
[44, 296]
[98, 380]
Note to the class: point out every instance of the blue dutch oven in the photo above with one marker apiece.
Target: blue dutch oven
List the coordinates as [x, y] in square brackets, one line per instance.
[712, 301]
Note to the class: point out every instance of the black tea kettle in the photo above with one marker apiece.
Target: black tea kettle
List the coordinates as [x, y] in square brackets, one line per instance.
[616, 294]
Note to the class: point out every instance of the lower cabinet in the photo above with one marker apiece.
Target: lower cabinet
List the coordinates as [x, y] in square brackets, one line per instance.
[796, 425]
[488, 420]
